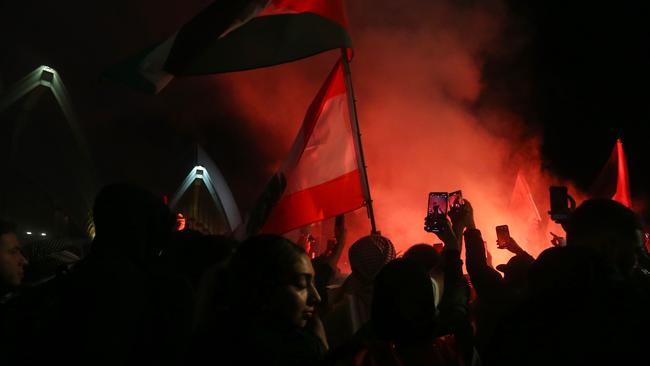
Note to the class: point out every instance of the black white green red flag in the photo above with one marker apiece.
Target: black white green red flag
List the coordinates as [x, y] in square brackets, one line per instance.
[237, 35]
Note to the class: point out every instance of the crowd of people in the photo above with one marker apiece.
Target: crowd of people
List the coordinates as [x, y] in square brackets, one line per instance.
[147, 294]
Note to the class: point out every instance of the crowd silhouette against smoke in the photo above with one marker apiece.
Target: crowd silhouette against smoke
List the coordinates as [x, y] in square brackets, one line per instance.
[162, 252]
[419, 77]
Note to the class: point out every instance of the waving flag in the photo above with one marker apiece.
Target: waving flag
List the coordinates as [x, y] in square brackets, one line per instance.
[614, 181]
[236, 35]
[322, 174]
[525, 214]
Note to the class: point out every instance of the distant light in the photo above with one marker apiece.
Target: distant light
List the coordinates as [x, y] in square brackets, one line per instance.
[29, 233]
[199, 172]
[47, 76]
[43, 234]
[180, 222]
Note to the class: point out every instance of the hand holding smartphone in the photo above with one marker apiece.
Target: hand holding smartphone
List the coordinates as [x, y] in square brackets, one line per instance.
[436, 212]
[562, 204]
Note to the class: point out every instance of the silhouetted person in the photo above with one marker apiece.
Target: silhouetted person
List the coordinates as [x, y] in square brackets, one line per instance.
[121, 306]
[367, 256]
[271, 317]
[614, 233]
[429, 258]
[14, 316]
[584, 306]
[12, 261]
[497, 295]
[404, 328]
[202, 260]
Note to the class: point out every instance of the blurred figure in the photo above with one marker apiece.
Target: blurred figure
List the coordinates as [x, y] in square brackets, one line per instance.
[271, 317]
[351, 303]
[588, 301]
[12, 312]
[121, 305]
[428, 257]
[367, 256]
[202, 260]
[611, 230]
[12, 261]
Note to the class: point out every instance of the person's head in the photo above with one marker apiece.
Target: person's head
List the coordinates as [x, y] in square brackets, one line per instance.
[426, 255]
[515, 272]
[403, 304]
[562, 272]
[610, 229]
[192, 254]
[368, 255]
[272, 281]
[132, 220]
[12, 261]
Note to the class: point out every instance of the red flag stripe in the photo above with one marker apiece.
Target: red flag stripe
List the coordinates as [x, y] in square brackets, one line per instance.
[622, 194]
[330, 9]
[340, 195]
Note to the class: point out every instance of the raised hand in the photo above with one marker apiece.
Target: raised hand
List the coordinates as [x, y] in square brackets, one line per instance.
[558, 241]
[512, 246]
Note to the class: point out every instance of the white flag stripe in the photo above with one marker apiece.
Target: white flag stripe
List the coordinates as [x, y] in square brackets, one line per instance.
[152, 65]
[330, 151]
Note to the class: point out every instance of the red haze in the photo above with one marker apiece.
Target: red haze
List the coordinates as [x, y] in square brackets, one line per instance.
[416, 75]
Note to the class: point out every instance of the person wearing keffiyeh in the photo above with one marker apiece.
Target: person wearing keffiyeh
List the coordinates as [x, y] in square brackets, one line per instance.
[367, 256]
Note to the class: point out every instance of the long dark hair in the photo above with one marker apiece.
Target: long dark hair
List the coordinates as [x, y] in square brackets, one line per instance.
[260, 263]
[403, 305]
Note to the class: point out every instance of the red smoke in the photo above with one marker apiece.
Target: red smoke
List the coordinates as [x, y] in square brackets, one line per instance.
[417, 71]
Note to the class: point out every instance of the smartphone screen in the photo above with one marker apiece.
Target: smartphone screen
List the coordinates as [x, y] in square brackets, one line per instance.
[437, 203]
[503, 234]
[455, 200]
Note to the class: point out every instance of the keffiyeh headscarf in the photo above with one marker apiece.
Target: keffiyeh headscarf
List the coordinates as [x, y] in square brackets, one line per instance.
[369, 254]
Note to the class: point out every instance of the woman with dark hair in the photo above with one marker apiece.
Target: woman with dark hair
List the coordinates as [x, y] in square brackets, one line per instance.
[271, 316]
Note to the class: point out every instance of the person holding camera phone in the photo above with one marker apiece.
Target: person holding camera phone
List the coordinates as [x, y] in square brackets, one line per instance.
[453, 316]
[497, 294]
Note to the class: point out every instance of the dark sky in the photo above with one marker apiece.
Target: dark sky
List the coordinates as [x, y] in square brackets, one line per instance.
[576, 72]
[579, 75]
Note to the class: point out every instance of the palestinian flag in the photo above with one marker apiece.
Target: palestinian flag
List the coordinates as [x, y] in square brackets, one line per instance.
[237, 35]
[321, 178]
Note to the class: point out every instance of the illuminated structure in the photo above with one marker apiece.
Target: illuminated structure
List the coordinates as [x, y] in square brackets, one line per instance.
[205, 200]
[28, 193]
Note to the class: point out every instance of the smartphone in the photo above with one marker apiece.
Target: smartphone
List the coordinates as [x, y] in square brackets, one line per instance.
[455, 200]
[561, 203]
[437, 204]
[436, 212]
[503, 234]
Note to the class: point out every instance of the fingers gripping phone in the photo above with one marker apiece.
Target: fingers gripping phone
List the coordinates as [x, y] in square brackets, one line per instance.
[436, 212]
[503, 235]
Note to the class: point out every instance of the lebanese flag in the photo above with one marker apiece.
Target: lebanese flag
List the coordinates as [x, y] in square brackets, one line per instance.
[236, 35]
[614, 181]
[322, 172]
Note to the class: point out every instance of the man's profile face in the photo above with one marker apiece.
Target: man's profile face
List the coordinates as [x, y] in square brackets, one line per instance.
[12, 261]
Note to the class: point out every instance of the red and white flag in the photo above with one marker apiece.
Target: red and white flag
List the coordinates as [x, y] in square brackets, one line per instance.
[525, 214]
[322, 173]
[614, 181]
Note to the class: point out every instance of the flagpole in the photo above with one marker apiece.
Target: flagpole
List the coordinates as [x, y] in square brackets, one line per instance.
[357, 140]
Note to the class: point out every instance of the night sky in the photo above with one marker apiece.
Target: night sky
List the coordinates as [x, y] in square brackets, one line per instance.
[575, 73]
